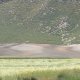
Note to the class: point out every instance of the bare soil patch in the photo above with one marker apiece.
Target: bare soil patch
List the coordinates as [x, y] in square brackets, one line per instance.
[40, 50]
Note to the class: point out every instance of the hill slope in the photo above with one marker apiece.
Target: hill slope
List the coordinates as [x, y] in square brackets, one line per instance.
[40, 21]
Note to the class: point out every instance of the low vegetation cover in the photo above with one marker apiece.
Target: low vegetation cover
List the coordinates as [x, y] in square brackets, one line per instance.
[40, 21]
[46, 75]
[39, 69]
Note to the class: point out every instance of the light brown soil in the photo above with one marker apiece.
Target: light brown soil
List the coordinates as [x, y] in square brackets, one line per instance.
[39, 50]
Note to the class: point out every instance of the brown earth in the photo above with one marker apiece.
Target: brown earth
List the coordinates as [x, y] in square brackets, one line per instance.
[39, 50]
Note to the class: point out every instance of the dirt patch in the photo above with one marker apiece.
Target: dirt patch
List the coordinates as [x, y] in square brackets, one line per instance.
[28, 47]
[75, 47]
[40, 50]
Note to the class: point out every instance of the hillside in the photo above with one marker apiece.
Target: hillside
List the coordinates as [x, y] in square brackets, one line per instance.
[40, 21]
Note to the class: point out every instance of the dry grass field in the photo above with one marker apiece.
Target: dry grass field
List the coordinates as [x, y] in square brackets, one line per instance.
[40, 69]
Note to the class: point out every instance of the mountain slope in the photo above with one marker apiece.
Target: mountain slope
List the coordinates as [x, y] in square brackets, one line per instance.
[40, 21]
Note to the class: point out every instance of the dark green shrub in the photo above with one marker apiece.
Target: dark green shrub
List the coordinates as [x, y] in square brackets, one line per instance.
[61, 77]
[33, 78]
[26, 78]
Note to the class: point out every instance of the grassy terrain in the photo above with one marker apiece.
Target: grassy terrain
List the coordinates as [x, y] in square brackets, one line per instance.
[40, 69]
[40, 21]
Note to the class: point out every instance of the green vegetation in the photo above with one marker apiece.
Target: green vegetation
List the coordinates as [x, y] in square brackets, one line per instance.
[46, 75]
[39, 69]
[40, 21]
[55, 75]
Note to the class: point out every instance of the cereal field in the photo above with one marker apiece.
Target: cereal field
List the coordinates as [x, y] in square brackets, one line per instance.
[40, 69]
